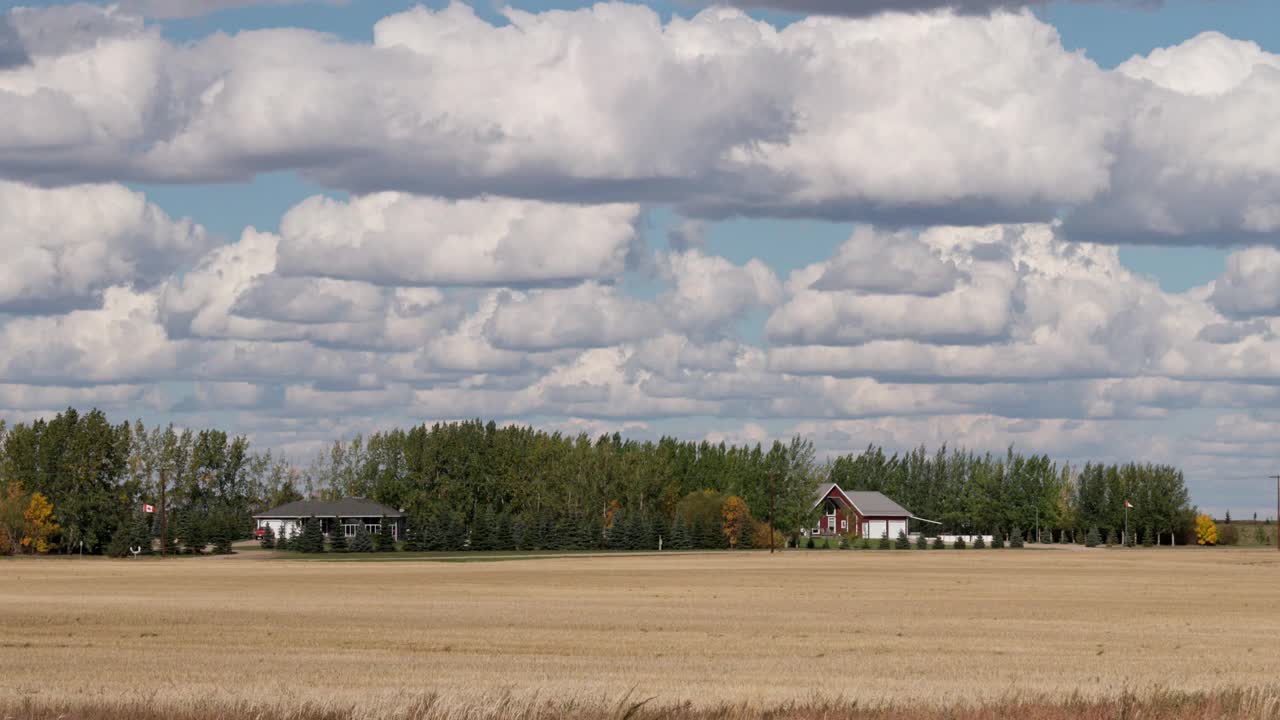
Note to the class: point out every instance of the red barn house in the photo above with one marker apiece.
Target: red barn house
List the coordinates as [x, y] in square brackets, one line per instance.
[863, 513]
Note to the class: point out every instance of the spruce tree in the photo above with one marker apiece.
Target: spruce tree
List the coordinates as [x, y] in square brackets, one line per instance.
[191, 532]
[482, 529]
[312, 537]
[594, 524]
[221, 534]
[361, 542]
[922, 542]
[1015, 538]
[938, 544]
[386, 538]
[433, 534]
[518, 534]
[904, 543]
[502, 537]
[680, 537]
[140, 534]
[634, 532]
[959, 544]
[337, 537]
[980, 543]
[1094, 538]
[616, 538]
[169, 541]
[268, 538]
[1111, 537]
[1147, 537]
[884, 541]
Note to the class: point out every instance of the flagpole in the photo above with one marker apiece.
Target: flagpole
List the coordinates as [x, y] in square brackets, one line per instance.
[1126, 525]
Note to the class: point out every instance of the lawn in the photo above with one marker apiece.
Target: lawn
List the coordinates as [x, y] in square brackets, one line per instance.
[919, 627]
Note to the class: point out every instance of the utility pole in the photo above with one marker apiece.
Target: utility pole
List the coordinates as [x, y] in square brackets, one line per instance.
[1277, 477]
[164, 510]
[771, 476]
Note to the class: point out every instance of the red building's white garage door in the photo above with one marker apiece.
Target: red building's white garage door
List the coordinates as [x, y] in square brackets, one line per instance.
[878, 528]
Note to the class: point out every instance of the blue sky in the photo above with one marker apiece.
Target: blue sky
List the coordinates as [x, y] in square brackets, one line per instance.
[899, 229]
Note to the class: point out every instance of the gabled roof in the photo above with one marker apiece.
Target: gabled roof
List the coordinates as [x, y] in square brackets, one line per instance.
[346, 507]
[874, 504]
[869, 503]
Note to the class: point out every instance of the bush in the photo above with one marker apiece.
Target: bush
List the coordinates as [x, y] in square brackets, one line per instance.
[811, 544]
[884, 541]
[844, 543]
[865, 544]
[922, 542]
[903, 542]
[979, 544]
[958, 544]
[1094, 538]
[1015, 538]
[937, 544]
[997, 540]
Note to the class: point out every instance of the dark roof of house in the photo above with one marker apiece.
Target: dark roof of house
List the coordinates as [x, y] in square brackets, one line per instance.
[346, 507]
[868, 502]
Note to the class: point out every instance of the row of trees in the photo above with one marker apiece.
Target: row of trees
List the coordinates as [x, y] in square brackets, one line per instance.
[968, 492]
[482, 486]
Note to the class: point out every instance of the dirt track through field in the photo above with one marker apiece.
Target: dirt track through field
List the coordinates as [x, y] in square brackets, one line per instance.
[902, 626]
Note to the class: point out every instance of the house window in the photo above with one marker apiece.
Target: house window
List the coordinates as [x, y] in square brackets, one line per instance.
[350, 529]
[844, 524]
[373, 528]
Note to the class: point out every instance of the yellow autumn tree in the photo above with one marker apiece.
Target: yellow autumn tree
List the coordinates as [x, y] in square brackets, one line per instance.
[1206, 530]
[734, 516]
[40, 527]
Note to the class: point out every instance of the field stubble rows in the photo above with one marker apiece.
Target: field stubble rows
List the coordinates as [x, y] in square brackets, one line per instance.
[749, 629]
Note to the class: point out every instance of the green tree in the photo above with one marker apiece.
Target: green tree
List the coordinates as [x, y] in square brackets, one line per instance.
[979, 543]
[959, 544]
[884, 541]
[922, 542]
[1015, 538]
[337, 537]
[191, 532]
[386, 537]
[268, 538]
[361, 542]
[1094, 538]
[312, 540]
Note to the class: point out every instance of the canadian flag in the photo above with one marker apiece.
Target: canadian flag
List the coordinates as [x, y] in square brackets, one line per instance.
[1128, 504]
[148, 508]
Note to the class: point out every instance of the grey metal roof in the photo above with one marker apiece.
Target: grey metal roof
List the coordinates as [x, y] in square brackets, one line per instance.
[868, 502]
[875, 504]
[346, 507]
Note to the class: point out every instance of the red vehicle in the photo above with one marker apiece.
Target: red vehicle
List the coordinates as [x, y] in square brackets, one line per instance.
[258, 533]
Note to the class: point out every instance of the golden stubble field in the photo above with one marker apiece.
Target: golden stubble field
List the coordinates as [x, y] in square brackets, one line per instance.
[914, 627]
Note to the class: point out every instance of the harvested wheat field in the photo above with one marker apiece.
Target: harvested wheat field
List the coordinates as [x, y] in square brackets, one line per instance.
[717, 630]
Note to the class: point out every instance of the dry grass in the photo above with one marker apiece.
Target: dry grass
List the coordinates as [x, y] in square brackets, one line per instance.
[1041, 634]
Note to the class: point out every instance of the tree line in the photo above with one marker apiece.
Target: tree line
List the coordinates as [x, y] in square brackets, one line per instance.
[968, 492]
[478, 485]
